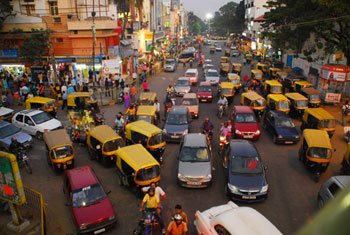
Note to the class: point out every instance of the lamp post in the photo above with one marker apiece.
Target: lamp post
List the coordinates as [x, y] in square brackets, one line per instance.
[209, 16]
[93, 14]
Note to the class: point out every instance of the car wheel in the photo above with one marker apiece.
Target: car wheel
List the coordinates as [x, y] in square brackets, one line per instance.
[320, 202]
[39, 135]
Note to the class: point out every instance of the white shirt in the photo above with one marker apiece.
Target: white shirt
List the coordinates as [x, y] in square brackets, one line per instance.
[64, 89]
[158, 191]
[158, 106]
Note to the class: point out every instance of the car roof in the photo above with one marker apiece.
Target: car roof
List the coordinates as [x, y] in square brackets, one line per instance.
[344, 180]
[243, 109]
[81, 177]
[195, 140]
[190, 96]
[191, 71]
[204, 83]
[243, 148]
[30, 112]
[183, 78]
[212, 70]
[179, 109]
[4, 123]
[279, 114]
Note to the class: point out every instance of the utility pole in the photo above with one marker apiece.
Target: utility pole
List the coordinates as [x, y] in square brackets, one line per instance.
[93, 14]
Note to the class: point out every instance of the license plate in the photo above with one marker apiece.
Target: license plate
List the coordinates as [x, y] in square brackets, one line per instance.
[204, 100]
[100, 231]
[194, 183]
[288, 142]
[248, 197]
[175, 136]
[69, 162]
[248, 136]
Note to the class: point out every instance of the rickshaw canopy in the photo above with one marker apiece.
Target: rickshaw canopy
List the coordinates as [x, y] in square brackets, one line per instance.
[303, 83]
[224, 59]
[148, 96]
[256, 71]
[317, 138]
[80, 94]
[226, 85]
[57, 138]
[273, 83]
[295, 96]
[274, 70]
[103, 133]
[143, 127]
[252, 95]
[261, 65]
[310, 91]
[277, 97]
[319, 113]
[39, 99]
[236, 65]
[146, 110]
[233, 76]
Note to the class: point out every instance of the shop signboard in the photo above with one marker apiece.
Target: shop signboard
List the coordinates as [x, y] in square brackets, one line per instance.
[11, 187]
[8, 53]
[110, 66]
[334, 72]
[332, 97]
[87, 60]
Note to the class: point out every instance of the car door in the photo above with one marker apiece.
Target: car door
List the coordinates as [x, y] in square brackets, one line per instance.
[269, 123]
[18, 120]
[28, 125]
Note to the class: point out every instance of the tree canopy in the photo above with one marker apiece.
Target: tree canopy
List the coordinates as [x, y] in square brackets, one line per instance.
[195, 24]
[5, 10]
[290, 23]
[35, 46]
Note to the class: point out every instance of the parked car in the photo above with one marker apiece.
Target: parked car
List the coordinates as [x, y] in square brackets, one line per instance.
[246, 175]
[91, 208]
[232, 219]
[281, 127]
[8, 131]
[244, 123]
[182, 86]
[193, 75]
[190, 100]
[212, 76]
[6, 114]
[177, 123]
[331, 187]
[194, 162]
[35, 122]
[170, 65]
[204, 92]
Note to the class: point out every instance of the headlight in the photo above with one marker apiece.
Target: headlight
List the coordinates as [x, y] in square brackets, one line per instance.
[185, 132]
[208, 177]
[112, 217]
[83, 226]
[264, 189]
[210, 96]
[279, 137]
[232, 188]
[180, 177]
[296, 137]
[238, 132]
[257, 132]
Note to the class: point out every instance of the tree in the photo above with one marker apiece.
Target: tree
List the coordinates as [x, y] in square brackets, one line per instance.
[226, 21]
[5, 10]
[195, 24]
[290, 23]
[240, 17]
[35, 46]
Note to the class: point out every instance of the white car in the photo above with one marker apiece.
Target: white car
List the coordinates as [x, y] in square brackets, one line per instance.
[212, 76]
[35, 122]
[232, 219]
[6, 113]
[218, 48]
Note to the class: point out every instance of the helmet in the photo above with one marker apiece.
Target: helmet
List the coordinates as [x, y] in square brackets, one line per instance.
[177, 217]
[207, 119]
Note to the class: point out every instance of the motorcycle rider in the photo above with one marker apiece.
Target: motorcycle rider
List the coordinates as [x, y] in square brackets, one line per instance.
[119, 124]
[170, 90]
[131, 112]
[225, 130]
[158, 191]
[207, 127]
[15, 146]
[222, 102]
[177, 226]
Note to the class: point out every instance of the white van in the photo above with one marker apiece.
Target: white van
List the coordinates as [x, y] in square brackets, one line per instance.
[193, 75]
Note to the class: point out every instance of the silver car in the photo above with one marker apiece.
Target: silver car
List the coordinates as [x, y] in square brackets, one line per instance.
[194, 162]
[331, 187]
[182, 86]
[170, 65]
[8, 131]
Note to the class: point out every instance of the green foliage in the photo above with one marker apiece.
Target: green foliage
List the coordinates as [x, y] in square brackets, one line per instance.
[35, 46]
[229, 18]
[195, 24]
[5, 10]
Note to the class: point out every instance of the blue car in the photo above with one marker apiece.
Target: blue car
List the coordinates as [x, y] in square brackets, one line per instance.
[281, 127]
[8, 131]
[177, 123]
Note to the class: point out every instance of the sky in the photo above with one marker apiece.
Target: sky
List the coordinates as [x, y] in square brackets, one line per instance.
[201, 7]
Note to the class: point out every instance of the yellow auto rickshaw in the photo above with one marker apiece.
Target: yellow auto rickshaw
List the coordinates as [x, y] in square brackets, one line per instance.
[345, 164]
[273, 73]
[281, 76]
[316, 151]
[224, 59]
[256, 75]
[102, 143]
[150, 136]
[313, 95]
[81, 101]
[227, 89]
[236, 68]
[212, 49]
[136, 167]
[60, 150]
[227, 52]
[298, 85]
[298, 103]
[278, 102]
[147, 113]
[262, 67]
[147, 98]
[255, 101]
[224, 68]
[235, 79]
[43, 103]
[272, 87]
[248, 58]
[318, 118]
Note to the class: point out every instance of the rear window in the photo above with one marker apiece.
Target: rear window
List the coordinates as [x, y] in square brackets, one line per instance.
[212, 74]
[187, 102]
[190, 74]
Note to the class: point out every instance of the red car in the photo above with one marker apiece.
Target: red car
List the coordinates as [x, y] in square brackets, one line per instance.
[91, 208]
[205, 92]
[244, 123]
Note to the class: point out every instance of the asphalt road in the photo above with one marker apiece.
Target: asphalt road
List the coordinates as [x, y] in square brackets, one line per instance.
[292, 196]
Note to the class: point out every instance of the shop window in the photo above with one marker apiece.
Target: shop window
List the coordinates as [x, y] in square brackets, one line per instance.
[75, 31]
[29, 9]
[57, 19]
[53, 8]
[59, 40]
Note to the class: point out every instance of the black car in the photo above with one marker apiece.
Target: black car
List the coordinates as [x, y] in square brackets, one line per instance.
[177, 123]
[246, 175]
[282, 128]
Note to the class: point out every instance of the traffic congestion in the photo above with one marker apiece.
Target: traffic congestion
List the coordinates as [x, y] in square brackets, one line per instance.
[217, 131]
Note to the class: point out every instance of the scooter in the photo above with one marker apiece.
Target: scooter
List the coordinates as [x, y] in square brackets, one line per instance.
[222, 143]
[148, 224]
[120, 99]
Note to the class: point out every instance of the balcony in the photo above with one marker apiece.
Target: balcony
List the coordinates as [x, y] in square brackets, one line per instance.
[103, 23]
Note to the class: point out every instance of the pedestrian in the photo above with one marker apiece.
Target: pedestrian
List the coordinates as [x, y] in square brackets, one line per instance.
[41, 90]
[53, 93]
[64, 88]
[107, 87]
[116, 80]
[122, 83]
[157, 105]
[134, 77]
[126, 100]
[70, 89]
[64, 100]
[145, 85]
[345, 113]
[126, 89]
[133, 92]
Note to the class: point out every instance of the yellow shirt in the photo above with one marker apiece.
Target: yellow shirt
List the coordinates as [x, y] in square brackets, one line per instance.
[151, 202]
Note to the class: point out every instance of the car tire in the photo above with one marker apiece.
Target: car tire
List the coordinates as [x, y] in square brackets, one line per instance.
[39, 135]
[320, 202]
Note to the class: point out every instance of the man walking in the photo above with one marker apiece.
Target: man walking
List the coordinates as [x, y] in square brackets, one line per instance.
[345, 112]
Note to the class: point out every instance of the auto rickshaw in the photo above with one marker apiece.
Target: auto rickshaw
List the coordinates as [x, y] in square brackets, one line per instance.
[150, 136]
[315, 151]
[102, 143]
[278, 102]
[147, 98]
[81, 101]
[281, 76]
[248, 58]
[313, 95]
[262, 67]
[147, 113]
[227, 89]
[273, 73]
[256, 75]
[224, 59]
[227, 52]
[224, 68]
[255, 101]
[272, 87]
[298, 85]
[212, 49]
[345, 164]
[60, 150]
[318, 118]
[298, 103]
[136, 167]
[236, 68]
[235, 79]
[43, 103]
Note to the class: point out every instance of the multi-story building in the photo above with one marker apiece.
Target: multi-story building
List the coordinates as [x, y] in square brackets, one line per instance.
[254, 9]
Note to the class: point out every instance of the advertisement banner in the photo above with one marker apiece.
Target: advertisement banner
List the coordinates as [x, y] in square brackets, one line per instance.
[334, 76]
[332, 98]
[110, 66]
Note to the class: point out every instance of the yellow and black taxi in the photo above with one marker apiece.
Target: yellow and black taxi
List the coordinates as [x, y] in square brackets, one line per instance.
[319, 118]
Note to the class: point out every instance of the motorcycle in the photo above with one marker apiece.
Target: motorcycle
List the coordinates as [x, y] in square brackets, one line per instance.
[120, 99]
[209, 135]
[223, 142]
[148, 223]
[221, 110]
[98, 118]
[23, 160]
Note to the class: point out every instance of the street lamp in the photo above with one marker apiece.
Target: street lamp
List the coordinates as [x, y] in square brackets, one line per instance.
[209, 16]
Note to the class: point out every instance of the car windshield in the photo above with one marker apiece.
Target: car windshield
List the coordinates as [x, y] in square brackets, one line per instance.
[235, 81]
[245, 117]
[314, 97]
[245, 165]
[145, 118]
[190, 74]
[259, 103]
[302, 103]
[169, 61]
[147, 102]
[194, 154]
[319, 152]
[276, 89]
[258, 75]
[8, 130]
[88, 196]
[62, 152]
[204, 89]
[176, 119]
[327, 123]
[212, 74]
[183, 83]
[285, 122]
[149, 173]
[283, 104]
[41, 118]
[112, 145]
[157, 139]
[190, 101]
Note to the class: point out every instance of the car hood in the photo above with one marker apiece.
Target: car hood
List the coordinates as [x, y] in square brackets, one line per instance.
[247, 127]
[175, 128]
[248, 181]
[182, 88]
[194, 168]
[50, 125]
[5, 111]
[212, 78]
[20, 136]
[287, 131]
[169, 65]
[93, 213]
